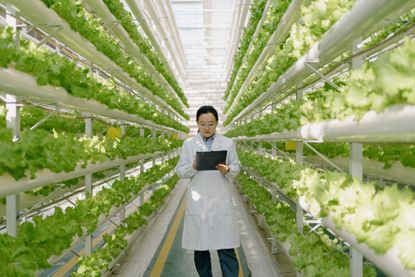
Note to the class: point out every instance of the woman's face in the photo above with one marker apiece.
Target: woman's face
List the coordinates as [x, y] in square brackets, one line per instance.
[207, 124]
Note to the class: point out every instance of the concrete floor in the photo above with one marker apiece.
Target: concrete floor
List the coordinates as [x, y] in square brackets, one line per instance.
[139, 258]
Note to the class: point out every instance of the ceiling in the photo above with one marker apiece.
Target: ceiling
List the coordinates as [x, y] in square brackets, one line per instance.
[209, 33]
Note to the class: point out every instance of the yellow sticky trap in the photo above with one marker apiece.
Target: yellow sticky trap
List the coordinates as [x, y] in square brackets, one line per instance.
[114, 132]
[290, 145]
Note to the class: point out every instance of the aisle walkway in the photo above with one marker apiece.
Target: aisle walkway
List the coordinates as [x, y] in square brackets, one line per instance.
[172, 260]
[158, 251]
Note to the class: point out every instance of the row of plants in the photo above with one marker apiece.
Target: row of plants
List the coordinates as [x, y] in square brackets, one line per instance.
[80, 181]
[386, 153]
[381, 38]
[100, 260]
[369, 88]
[44, 237]
[272, 19]
[373, 87]
[256, 11]
[70, 123]
[127, 21]
[285, 118]
[403, 23]
[84, 23]
[309, 251]
[376, 86]
[59, 151]
[377, 216]
[52, 69]
[317, 18]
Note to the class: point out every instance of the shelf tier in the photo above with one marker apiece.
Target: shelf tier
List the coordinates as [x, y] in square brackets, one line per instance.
[368, 54]
[238, 21]
[24, 85]
[29, 202]
[100, 9]
[251, 43]
[135, 10]
[290, 17]
[37, 13]
[277, 193]
[153, 18]
[45, 177]
[393, 125]
[272, 188]
[371, 168]
[388, 263]
[362, 17]
[102, 220]
[396, 173]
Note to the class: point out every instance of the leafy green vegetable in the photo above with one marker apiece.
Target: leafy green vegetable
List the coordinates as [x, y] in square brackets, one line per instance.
[38, 240]
[375, 216]
[38, 149]
[126, 19]
[50, 68]
[256, 11]
[270, 23]
[83, 22]
[318, 16]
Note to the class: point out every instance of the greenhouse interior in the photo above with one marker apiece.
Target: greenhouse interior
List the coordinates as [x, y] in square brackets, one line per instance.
[207, 138]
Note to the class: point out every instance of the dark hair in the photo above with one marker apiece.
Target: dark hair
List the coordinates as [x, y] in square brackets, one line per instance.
[207, 109]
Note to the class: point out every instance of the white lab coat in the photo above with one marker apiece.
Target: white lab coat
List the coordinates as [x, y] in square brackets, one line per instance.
[210, 220]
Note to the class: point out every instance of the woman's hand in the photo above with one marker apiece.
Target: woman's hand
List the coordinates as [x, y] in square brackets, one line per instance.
[223, 168]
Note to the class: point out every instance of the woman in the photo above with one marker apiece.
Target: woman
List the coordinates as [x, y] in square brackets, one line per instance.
[210, 221]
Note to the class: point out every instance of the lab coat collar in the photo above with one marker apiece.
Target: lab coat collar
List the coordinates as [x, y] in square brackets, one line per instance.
[212, 137]
[216, 145]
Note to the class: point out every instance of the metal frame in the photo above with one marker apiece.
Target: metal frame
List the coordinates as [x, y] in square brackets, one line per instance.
[37, 12]
[135, 10]
[362, 17]
[24, 85]
[12, 122]
[158, 29]
[130, 46]
[237, 25]
[45, 177]
[393, 125]
[310, 220]
[388, 263]
[292, 14]
[251, 43]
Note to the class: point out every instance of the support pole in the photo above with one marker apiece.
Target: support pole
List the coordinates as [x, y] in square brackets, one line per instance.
[122, 172]
[356, 171]
[299, 157]
[12, 208]
[123, 128]
[12, 122]
[142, 166]
[88, 185]
[274, 149]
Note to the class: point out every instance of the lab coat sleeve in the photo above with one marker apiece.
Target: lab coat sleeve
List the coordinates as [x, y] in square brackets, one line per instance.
[233, 162]
[184, 167]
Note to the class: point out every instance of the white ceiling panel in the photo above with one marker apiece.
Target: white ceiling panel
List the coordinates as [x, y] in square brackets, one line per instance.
[207, 29]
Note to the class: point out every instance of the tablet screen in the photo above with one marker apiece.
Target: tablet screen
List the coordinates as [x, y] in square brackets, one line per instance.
[209, 160]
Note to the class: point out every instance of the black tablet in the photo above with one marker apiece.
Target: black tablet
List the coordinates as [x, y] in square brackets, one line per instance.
[209, 160]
